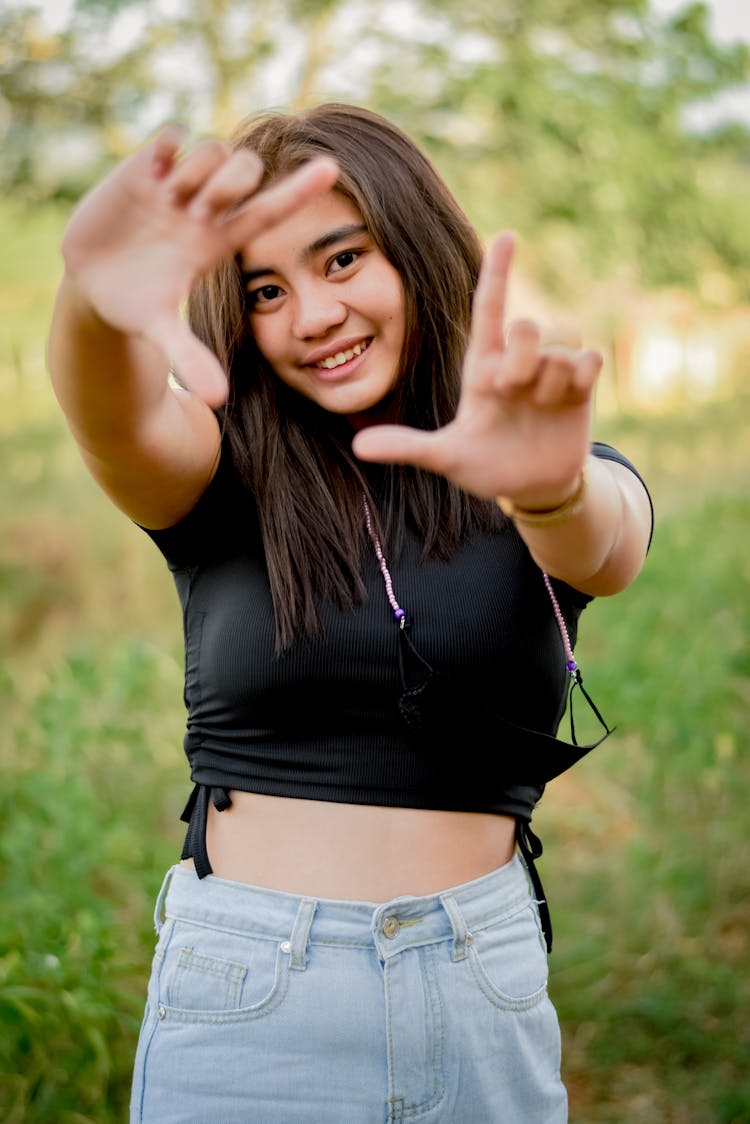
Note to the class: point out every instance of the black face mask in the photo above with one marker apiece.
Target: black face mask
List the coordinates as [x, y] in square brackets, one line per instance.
[433, 711]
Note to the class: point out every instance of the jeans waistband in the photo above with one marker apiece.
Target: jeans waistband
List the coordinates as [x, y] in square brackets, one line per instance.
[405, 921]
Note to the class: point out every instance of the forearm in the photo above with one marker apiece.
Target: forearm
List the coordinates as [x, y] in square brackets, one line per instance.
[599, 545]
[107, 382]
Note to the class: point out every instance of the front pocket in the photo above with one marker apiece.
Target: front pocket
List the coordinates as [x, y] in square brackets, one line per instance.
[206, 983]
[210, 974]
[509, 961]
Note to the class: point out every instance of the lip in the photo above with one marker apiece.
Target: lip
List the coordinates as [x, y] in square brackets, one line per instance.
[330, 349]
[344, 370]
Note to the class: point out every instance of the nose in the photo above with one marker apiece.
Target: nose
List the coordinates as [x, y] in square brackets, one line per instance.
[317, 310]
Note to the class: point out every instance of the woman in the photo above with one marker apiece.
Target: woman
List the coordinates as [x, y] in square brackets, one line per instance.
[383, 516]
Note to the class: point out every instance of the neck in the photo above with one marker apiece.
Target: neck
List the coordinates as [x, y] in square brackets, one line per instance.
[380, 414]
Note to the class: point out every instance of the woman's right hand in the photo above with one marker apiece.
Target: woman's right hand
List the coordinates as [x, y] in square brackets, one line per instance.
[139, 241]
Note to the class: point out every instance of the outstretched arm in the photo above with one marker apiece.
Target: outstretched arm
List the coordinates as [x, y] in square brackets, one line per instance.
[134, 248]
[522, 434]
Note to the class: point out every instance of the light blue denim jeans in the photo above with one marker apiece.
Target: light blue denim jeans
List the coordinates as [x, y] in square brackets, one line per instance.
[271, 1008]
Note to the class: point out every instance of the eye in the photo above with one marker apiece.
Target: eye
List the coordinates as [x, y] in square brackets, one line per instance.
[343, 260]
[264, 295]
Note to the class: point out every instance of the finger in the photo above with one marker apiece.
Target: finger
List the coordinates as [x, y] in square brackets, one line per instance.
[275, 202]
[398, 444]
[192, 172]
[194, 365]
[231, 183]
[565, 377]
[554, 384]
[165, 148]
[488, 317]
[588, 369]
[521, 358]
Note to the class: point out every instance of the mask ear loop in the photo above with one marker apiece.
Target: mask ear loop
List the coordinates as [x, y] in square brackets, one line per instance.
[530, 844]
[415, 672]
[573, 670]
[412, 698]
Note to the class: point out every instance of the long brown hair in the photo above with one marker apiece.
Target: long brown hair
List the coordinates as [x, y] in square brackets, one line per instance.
[295, 457]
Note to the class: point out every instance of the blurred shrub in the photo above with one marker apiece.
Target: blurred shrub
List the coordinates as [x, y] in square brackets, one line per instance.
[82, 850]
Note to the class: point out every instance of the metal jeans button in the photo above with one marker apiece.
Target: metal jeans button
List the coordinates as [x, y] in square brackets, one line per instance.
[391, 927]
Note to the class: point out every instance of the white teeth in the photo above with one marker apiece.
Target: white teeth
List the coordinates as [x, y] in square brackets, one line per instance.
[341, 357]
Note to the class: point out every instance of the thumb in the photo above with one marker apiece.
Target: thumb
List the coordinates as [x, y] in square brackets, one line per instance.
[398, 444]
[195, 365]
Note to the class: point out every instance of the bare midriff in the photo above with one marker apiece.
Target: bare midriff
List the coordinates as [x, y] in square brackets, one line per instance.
[352, 851]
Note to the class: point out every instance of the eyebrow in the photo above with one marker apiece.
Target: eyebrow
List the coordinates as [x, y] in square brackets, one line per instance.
[330, 238]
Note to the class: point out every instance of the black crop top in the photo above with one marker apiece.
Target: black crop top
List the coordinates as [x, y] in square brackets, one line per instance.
[362, 712]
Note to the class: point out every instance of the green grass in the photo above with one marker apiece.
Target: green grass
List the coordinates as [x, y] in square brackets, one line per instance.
[83, 846]
[651, 977]
[647, 863]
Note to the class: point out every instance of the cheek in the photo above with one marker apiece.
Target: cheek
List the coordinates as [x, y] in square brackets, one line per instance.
[398, 322]
[394, 306]
[268, 338]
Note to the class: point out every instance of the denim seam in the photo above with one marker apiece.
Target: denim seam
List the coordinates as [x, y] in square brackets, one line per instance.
[496, 917]
[238, 1014]
[365, 943]
[438, 1038]
[497, 997]
[220, 928]
[160, 957]
[397, 1106]
[191, 963]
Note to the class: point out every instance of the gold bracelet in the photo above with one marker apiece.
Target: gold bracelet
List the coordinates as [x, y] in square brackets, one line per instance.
[568, 508]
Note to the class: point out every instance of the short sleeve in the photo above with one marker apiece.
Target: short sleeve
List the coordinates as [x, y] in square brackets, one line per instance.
[608, 453]
[211, 526]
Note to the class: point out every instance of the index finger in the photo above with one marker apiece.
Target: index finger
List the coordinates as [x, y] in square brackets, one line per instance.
[279, 199]
[165, 147]
[488, 317]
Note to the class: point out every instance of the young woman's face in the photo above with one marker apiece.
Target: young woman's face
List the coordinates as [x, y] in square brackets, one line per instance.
[327, 307]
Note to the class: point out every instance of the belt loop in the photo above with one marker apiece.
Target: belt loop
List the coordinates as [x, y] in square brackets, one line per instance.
[461, 935]
[301, 933]
[159, 916]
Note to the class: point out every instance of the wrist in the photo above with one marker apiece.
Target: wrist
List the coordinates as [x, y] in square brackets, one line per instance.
[569, 506]
[78, 304]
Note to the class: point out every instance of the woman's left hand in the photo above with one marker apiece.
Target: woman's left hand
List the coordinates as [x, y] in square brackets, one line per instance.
[522, 428]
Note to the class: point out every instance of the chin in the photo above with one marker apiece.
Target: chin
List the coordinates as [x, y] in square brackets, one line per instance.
[379, 412]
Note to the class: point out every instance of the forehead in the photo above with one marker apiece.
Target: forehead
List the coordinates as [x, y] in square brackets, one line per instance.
[290, 241]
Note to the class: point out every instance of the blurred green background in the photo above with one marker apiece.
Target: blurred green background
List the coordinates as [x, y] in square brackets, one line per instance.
[593, 129]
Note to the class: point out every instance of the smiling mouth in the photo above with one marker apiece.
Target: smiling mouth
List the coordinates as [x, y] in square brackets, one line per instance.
[332, 361]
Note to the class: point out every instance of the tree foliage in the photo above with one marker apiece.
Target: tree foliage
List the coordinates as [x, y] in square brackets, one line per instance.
[575, 122]
[572, 121]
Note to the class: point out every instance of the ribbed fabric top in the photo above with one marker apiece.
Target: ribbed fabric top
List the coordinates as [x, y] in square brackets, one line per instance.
[323, 720]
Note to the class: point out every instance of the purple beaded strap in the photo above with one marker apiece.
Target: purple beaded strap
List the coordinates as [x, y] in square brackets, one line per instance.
[570, 662]
[572, 668]
[398, 612]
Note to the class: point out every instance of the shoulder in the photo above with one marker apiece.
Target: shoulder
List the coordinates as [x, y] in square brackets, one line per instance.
[606, 452]
[214, 522]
